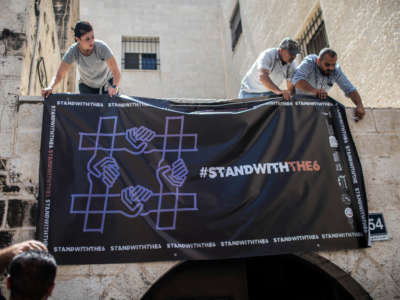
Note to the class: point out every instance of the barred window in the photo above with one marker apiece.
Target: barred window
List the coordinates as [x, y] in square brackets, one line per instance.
[236, 26]
[314, 38]
[140, 53]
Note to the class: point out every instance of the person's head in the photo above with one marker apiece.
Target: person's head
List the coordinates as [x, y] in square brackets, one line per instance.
[326, 61]
[84, 35]
[288, 49]
[31, 275]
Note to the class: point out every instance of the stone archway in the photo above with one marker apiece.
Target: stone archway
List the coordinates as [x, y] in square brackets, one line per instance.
[304, 276]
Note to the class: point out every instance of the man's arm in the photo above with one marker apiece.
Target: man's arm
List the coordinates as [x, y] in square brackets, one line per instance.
[268, 83]
[305, 86]
[359, 111]
[7, 254]
[290, 87]
[62, 70]
[351, 92]
[112, 64]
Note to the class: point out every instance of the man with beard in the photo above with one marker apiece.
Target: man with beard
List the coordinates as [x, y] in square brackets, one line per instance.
[317, 74]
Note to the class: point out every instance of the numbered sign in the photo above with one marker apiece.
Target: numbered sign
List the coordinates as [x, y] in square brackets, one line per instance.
[377, 227]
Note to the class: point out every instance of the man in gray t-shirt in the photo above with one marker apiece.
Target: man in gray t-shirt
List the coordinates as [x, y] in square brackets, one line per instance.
[93, 68]
[272, 66]
[98, 69]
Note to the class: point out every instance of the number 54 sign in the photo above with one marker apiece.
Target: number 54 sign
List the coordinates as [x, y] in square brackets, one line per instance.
[377, 227]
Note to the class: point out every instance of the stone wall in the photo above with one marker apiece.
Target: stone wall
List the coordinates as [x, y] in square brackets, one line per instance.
[41, 45]
[66, 15]
[12, 47]
[17, 192]
[28, 32]
[377, 139]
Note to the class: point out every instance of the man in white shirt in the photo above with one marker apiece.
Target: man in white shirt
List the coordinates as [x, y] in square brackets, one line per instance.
[269, 70]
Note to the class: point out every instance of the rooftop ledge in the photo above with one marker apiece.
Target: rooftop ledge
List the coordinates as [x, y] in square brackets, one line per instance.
[40, 99]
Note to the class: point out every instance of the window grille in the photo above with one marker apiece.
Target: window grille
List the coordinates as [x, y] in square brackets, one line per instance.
[236, 26]
[314, 37]
[140, 53]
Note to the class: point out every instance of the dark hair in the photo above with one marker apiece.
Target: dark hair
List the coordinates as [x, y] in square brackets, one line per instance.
[326, 51]
[32, 274]
[81, 28]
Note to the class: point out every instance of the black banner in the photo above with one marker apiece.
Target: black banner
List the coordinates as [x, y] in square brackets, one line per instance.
[135, 179]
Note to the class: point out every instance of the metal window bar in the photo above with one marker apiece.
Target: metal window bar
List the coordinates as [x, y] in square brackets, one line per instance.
[145, 49]
[236, 26]
[314, 37]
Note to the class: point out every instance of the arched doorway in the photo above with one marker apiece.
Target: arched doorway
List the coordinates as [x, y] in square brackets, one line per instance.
[307, 276]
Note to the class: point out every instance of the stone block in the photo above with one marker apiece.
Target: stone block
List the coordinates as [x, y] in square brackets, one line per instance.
[381, 170]
[71, 271]
[395, 272]
[385, 199]
[30, 116]
[23, 234]
[11, 66]
[21, 213]
[368, 274]
[388, 289]
[75, 287]
[366, 125]
[32, 220]
[16, 213]
[12, 189]
[120, 286]
[377, 145]
[6, 145]
[387, 120]
[12, 12]
[28, 140]
[9, 90]
[6, 187]
[108, 269]
[5, 238]
[26, 167]
[154, 270]
[7, 117]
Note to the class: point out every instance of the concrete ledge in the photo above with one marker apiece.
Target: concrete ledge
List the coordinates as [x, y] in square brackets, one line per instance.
[366, 125]
[376, 144]
[387, 120]
[30, 99]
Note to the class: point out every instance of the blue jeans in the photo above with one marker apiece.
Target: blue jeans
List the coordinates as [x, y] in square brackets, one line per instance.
[85, 89]
[244, 94]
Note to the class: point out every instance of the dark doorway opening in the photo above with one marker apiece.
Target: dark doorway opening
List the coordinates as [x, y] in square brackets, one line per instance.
[270, 277]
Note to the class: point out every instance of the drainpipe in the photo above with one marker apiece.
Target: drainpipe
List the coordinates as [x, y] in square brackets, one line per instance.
[37, 14]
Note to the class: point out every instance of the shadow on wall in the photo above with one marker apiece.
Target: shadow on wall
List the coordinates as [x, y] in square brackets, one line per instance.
[13, 42]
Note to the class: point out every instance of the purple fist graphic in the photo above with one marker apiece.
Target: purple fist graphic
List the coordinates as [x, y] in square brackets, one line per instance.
[138, 137]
